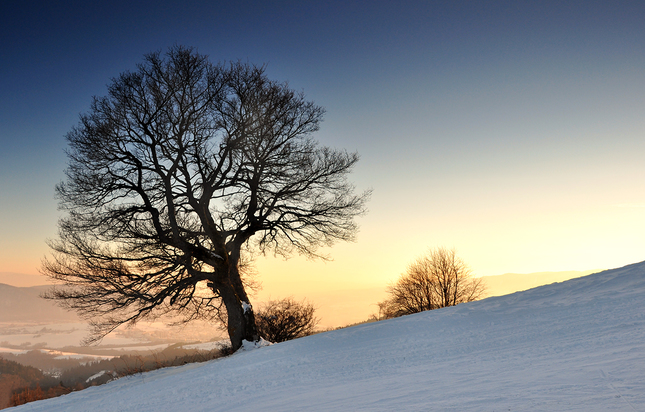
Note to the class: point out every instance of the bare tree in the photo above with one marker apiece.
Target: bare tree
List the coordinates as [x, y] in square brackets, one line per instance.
[182, 167]
[286, 319]
[436, 280]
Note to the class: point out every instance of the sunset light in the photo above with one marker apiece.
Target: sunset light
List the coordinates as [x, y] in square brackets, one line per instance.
[510, 132]
[322, 205]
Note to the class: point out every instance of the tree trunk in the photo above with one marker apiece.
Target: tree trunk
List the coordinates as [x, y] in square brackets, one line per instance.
[241, 319]
[238, 319]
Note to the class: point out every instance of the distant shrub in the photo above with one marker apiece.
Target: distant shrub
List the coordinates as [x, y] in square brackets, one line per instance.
[286, 319]
[436, 280]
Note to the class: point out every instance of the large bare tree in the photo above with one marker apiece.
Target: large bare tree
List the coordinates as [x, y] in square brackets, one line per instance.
[175, 172]
[436, 280]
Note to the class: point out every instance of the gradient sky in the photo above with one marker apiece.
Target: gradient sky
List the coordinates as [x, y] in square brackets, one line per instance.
[511, 131]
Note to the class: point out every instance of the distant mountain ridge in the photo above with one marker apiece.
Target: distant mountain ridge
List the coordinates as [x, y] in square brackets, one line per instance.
[20, 297]
[515, 282]
[23, 280]
[24, 304]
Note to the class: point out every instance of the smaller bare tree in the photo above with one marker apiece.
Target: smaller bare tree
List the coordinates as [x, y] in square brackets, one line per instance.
[437, 280]
[286, 319]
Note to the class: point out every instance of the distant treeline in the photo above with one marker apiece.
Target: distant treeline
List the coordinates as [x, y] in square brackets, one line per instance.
[15, 378]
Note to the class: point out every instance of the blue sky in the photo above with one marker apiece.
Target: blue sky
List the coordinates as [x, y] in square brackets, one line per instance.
[511, 131]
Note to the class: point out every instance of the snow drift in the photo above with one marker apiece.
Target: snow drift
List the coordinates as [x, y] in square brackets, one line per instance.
[572, 346]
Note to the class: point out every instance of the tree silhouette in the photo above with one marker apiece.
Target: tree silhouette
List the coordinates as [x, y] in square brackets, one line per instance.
[172, 176]
[286, 319]
[436, 280]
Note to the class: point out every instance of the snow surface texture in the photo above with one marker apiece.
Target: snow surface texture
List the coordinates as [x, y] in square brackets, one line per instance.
[572, 346]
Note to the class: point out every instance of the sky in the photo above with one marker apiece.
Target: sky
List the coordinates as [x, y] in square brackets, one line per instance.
[511, 131]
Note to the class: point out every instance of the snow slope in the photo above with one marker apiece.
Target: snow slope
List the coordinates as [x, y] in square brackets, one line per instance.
[572, 346]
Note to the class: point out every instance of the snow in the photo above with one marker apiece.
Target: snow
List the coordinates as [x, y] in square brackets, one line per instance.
[246, 345]
[207, 346]
[246, 306]
[572, 346]
[142, 348]
[95, 376]
[13, 351]
[216, 256]
[84, 356]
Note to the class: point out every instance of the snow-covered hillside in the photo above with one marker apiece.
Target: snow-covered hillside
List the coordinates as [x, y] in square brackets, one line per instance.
[572, 346]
